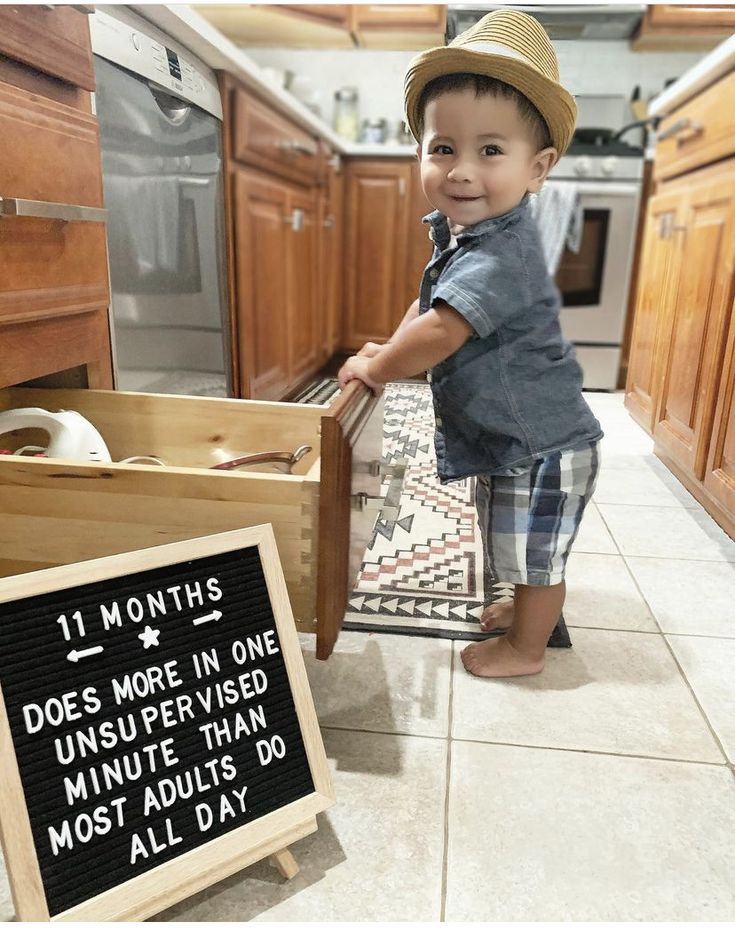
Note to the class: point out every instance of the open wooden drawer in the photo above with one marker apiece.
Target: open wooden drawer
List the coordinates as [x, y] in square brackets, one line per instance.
[54, 511]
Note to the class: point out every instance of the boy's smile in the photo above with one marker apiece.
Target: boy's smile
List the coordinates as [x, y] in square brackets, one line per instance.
[478, 157]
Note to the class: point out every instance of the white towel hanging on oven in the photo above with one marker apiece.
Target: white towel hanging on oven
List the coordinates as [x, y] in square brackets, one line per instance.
[557, 209]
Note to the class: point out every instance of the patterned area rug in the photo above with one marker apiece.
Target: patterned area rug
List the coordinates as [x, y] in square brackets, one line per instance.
[424, 572]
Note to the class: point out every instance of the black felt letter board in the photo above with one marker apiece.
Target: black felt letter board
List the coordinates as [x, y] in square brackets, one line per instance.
[165, 701]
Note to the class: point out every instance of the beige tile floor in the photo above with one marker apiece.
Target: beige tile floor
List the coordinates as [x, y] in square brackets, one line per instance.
[603, 789]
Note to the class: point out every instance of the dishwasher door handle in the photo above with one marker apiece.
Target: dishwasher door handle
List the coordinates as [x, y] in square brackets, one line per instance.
[45, 209]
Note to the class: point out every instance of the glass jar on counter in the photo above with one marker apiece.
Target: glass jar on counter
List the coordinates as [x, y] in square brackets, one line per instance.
[374, 131]
[346, 113]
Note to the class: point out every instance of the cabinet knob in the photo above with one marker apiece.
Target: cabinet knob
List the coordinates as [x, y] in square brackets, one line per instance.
[328, 222]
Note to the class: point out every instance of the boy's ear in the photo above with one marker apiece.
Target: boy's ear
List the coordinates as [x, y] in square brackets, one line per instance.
[542, 164]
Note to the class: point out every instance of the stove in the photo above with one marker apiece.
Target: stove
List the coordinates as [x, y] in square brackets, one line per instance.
[613, 161]
[594, 282]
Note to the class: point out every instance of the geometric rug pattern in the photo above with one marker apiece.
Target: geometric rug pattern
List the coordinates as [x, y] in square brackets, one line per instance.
[424, 573]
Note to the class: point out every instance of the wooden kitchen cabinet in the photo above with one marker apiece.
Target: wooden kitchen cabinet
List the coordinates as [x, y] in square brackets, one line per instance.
[387, 244]
[682, 372]
[656, 289]
[260, 246]
[413, 16]
[399, 26]
[54, 292]
[301, 269]
[700, 314]
[317, 25]
[275, 247]
[331, 256]
[420, 246]
[719, 477]
[50, 38]
[281, 235]
[377, 218]
[683, 27]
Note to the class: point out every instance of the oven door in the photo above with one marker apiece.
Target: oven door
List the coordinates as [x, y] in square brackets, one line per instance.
[594, 282]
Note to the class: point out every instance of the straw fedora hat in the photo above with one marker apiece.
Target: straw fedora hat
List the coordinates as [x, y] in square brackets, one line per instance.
[509, 46]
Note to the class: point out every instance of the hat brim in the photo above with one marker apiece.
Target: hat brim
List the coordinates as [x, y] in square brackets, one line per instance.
[554, 102]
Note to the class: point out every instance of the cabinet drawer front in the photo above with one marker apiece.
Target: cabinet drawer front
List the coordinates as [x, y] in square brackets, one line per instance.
[53, 40]
[699, 132]
[86, 510]
[48, 151]
[264, 138]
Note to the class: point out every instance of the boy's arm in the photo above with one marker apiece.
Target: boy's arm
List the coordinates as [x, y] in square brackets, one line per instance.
[422, 343]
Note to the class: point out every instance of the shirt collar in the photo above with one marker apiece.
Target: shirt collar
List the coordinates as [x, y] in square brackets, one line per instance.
[440, 225]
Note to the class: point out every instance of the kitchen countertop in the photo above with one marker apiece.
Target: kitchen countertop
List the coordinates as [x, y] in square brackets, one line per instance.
[719, 61]
[195, 33]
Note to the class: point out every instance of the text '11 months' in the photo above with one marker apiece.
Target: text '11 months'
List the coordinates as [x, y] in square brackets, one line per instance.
[150, 714]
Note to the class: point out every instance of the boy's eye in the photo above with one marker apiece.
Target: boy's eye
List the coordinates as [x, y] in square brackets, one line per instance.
[441, 150]
[490, 150]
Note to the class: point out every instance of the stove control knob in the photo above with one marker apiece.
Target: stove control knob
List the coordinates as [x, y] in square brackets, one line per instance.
[609, 165]
[583, 166]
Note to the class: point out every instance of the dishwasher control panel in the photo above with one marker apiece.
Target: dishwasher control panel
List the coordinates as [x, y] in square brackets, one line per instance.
[133, 43]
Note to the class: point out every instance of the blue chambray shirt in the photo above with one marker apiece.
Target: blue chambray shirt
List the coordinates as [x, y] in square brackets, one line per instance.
[513, 392]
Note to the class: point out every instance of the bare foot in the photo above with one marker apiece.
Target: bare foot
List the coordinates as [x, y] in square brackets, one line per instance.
[497, 658]
[497, 616]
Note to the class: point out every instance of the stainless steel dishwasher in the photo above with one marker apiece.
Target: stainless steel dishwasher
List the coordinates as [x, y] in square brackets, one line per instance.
[160, 113]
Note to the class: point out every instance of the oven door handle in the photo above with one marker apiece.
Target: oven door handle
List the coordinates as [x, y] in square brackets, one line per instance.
[607, 189]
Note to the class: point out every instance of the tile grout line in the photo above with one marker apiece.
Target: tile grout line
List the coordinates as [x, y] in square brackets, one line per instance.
[605, 523]
[725, 764]
[706, 719]
[676, 506]
[445, 852]
[668, 645]
[676, 558]
[592, 752]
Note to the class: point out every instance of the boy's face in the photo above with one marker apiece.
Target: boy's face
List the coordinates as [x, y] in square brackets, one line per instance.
[478, 156]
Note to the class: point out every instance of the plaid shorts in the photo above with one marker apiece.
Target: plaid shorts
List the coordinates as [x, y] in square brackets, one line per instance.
[529, 521]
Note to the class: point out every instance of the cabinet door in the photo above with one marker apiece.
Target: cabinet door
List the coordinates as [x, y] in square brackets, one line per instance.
[333, 14]
[420, 246]
[52, 38]
[331, 262]
[656, 288]
[53, 275]
[399, 16]
[261, 237]
[377, 215]
[303, 331]
[699, 318]
[691, 16]
[719, 478]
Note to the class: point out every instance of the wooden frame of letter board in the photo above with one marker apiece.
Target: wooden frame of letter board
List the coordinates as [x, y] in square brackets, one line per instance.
[165, 884]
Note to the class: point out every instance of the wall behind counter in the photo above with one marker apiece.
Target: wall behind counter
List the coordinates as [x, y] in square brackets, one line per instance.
[586, 68]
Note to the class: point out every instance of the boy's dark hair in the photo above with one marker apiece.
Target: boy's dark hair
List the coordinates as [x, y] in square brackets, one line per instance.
[482, 85]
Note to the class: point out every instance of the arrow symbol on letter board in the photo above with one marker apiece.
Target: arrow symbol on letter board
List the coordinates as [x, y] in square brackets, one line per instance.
[76, 654]
[215, 615]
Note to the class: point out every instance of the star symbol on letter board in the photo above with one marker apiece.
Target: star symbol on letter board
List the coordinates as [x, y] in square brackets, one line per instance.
[149, 637]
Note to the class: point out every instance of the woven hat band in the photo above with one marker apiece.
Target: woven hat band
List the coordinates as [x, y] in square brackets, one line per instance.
[495, 48]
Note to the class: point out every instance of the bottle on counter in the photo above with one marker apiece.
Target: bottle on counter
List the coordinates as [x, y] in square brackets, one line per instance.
[374, 131]
[346, 113]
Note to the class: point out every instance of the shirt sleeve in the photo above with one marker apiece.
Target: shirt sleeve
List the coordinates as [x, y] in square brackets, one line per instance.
[485, 287]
